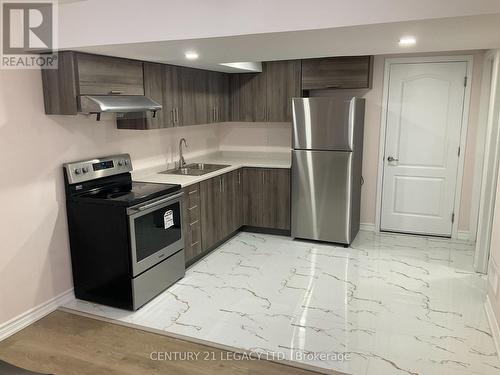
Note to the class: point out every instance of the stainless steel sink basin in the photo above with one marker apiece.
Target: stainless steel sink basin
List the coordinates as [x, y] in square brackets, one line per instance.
[195, 169]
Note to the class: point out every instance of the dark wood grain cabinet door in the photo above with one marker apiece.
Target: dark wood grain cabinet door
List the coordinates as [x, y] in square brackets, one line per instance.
[172, 98]
[218, 96]
[103, 75]
[276, 199]
[194, 93]
[283, 82]
[253, 183]
[231, 209]
[354, 72]
[154, 88]
[266, 198]
[210, 203]
[248, 97]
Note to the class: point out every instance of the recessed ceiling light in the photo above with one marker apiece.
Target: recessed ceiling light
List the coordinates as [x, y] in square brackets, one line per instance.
[191, 55]
[407, 41]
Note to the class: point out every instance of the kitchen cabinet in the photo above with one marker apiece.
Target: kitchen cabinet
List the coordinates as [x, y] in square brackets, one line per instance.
[282, 84]
[266, 198]
[86, 74]
[266, 96]
[172, 98]
[191, 222]
[221, 211]
[354, 72]
[231, 208]
[218, 96]
[248, 97]
[194, 96]
[102, 75]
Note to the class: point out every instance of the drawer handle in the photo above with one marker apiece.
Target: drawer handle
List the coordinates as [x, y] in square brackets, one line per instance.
[195, 243]
[194, 222]
[192, 208]
[116, 92]
[193, 192]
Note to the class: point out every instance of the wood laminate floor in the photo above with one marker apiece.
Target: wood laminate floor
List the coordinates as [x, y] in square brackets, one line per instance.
[66, 344]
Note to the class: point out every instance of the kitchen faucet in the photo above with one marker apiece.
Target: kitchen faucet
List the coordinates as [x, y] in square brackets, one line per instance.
[182, 162]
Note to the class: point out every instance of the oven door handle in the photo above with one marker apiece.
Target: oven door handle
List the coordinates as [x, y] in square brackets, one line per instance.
[158, 202]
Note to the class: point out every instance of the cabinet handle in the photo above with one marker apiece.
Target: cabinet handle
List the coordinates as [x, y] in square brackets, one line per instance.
[192, 208]
[172, 115]
[216, 114]
[262, 173]
[176, 115]
[193, 191]
[116, 92]
[194, 222]
[195, 243]
[223, 184]
[239, 178]
[220, 185]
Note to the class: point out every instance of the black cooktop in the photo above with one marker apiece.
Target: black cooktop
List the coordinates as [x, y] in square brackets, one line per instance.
[127, 194]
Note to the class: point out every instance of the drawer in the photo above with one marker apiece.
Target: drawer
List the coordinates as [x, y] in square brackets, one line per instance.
[195, 233]
[193, 196]
[193, 214]
[152, 282]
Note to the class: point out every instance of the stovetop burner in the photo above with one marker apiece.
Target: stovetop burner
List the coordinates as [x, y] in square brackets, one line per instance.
[128, 194]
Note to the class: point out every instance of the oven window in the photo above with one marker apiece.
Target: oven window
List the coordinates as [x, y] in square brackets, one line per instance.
[156, 230]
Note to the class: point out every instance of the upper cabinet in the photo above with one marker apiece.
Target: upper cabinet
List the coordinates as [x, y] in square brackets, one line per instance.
[85, 74]
[102, 75]
[337, 73]
[266, 96]
[282, 84]
[192, 96]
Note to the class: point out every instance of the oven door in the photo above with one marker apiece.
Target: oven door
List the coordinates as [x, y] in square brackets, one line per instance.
[155, 231]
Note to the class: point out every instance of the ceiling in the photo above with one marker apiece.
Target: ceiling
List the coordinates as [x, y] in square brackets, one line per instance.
[448, 34]
[226, 31]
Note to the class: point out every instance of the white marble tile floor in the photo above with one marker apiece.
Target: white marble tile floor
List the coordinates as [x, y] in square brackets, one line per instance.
[394, 304]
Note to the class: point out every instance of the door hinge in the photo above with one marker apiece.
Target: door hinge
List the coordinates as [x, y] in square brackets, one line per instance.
[465, 81]
[452, 217]
[458, 154]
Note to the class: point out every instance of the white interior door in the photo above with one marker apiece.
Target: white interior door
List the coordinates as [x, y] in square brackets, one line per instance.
[425, 104]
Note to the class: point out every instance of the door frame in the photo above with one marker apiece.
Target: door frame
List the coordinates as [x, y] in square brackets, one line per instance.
[468, 59]
[491, 159]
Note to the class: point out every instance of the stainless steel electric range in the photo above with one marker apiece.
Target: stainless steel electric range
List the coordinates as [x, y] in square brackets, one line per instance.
[125, 236]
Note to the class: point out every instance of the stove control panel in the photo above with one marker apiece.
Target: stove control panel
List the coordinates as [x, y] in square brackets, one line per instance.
[86, 170]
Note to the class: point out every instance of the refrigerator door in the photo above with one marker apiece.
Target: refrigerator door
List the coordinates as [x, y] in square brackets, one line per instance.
[321, 195]
[324, 123]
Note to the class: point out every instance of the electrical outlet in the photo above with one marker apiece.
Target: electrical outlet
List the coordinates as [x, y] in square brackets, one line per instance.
[493, 277]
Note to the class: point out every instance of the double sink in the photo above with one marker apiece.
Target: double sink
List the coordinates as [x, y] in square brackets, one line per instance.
[195, 169]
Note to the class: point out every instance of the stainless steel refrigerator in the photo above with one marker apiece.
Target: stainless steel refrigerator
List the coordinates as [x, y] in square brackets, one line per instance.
[326, 168]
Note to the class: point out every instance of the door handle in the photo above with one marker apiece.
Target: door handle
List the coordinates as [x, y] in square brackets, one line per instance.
[390, 159]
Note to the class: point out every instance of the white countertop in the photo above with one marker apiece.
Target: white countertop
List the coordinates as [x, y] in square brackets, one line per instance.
[234, 160]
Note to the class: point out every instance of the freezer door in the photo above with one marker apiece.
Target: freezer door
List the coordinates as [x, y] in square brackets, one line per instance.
[321, 195]
[325, 123]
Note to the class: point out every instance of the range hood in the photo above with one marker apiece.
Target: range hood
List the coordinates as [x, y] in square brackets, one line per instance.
[121, 104]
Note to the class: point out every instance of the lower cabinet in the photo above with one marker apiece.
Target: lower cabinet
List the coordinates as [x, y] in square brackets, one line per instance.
[221, 211]
[217, 207]
[266, 198]
[191, 222]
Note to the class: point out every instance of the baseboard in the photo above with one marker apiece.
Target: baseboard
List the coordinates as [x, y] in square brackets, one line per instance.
[495, 329]
[463, 235]
[25, 319]
[367, 226]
